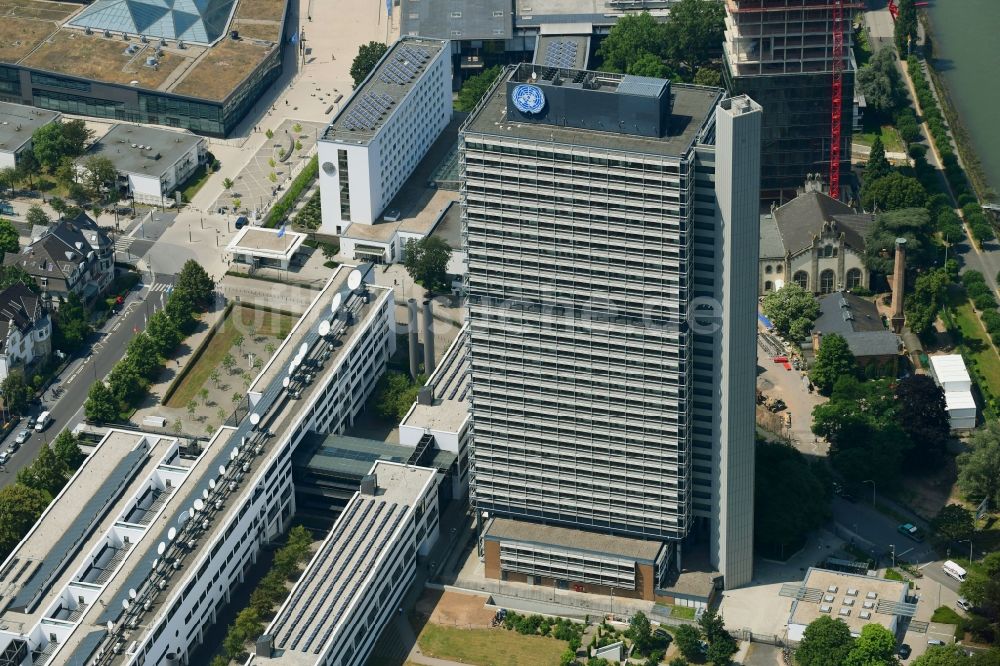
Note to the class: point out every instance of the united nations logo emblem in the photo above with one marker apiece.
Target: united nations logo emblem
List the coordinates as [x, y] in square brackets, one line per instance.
[528, 99]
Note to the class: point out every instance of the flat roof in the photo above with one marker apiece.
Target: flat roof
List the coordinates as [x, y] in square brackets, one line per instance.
[363, 536]
[262, 242]
[449, 226]
[147, 151]
[452, 384]
[950, 368]
[692, 108]
[469, 19]
[826, 592]
[353, 456]
[18, 123]
[373, 102]
[565, 538]
[530, 13]
[138, 573]
[33, 34]
[566, 51]
[959, 400]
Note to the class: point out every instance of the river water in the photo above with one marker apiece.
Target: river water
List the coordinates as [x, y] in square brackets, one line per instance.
[966, 35]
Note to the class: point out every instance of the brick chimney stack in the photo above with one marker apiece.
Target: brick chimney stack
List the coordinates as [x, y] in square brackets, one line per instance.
[898, 285]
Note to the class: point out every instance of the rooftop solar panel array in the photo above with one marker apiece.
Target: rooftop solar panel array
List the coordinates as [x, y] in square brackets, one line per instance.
[562, 55]
[367, 111]
[404, 65]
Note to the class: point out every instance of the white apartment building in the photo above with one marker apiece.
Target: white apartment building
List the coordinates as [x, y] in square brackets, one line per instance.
[17, 124]
[607, 219]
[151, 163]
[25, 330]
[134, 559]
[382, 131]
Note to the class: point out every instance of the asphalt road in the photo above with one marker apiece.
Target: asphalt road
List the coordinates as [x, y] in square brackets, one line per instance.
[106, 349]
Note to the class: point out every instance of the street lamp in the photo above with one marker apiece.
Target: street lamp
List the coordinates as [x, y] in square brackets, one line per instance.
[873, 489]
[892, 547]
[970, 548]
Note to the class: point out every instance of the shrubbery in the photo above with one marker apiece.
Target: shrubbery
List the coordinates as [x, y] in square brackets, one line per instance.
[540, 625]
[279, 211]
[311, 215]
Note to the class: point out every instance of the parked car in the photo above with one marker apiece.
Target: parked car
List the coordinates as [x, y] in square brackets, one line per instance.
[935, 641]
[963, 604]
[44, 419]
[4, 457]
[22, 437]
[7, 209]
[241, 222]
[31, 423]
[904, 651]
[911, 530]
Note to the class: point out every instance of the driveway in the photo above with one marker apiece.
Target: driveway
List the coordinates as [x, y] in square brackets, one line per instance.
[790, 385]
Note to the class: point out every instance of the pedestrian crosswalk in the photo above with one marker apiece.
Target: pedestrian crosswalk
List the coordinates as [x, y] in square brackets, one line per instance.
[161, 286]
[123, 244]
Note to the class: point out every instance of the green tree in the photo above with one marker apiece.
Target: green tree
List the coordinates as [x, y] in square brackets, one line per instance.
[640, 631]
[792, 310]
[8, 237]
[913, 224]
[101, 405]
[650, 65]
[876, 646]
[238, 341]
[688, 640]
[196, 283]
[708, 76]
[28, 168]
[219, 660]
[164, 333]
[214, 378]
[11, 275]
[237, 398]
[72, 324]
[879, 81]
[982, 584]
[46, 473]
[50, 145]
[15, 391]
[953, 522]
[825, 642]
[8, 178]
[833, 360]
[227, 183]
[368, 56]
[203, 395]
[924, 303]
[234, 641]
[567, 658]
[632, 37]
[65, 173]
[979, 465]
[192, 406]
[76, 136]
[475, 87]
[905, 28]
[721, 650]
[427, 261]
[126, 383]
[923, 417]
[678, 661]
[38, 217]
[20, 507]
[142, 354]
[694, 32]
[945, 655]
[394, 394]
[877, 166]
[180, 308]
[98, 174]
[791, 498]
[228, 362]
[67, 450]
[892, 192]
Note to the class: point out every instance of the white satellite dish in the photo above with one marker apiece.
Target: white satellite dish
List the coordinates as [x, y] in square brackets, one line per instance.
[171, 534]
[286, 381]
[295, 363]
[234, 453]
[204, 493]
[222, 470]
[132, 593]
[211, 484]
[199, 505]
[324, 328]
[161, 548]
[303, 349]
[156, 561]
[254, 419]
[125, 604]
[111, 626]
[191, 513]
[183, 518]
[354, 279]
[337, 300]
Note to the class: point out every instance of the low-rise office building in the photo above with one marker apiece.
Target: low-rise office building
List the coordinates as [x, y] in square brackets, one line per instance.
[258, 247]
[71, 256]
[135, 558]
[383, 131]
[151, 163]
[25, 330]
[950, 373]
[17, 124]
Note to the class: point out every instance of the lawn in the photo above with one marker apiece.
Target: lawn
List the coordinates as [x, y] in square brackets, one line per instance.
[489, 647]
[268, 324]
[195, 182]
[978, 343]
[946, 615]
[890, 138]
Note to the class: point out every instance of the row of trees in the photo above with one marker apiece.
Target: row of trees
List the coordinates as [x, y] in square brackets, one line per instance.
[22, 502]
[828, 642]
[131, 376]
[269, 593]
[708, 641]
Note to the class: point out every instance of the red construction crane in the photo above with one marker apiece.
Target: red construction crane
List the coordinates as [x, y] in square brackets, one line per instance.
[837, 97]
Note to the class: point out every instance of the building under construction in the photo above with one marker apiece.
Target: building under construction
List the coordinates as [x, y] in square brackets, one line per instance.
[794, 58]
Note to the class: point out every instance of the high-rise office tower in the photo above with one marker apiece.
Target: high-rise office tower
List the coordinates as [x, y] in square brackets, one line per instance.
[780, 53]
[600, 212]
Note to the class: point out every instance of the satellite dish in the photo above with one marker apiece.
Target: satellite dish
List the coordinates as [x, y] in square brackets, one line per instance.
[111, 626]
[337, 300]
[295, 363]
[211, 484]
[191, 513]
[183, 518]
[171, 534]
[254, 419]
[286, 381]
[132, 593]
[125, 604]
[324, 328]
[156, 561]
[234, 453]
[222, 470]
[354, 279]
[161, 548]
[199, 505]
[303, 349]
[204, 493]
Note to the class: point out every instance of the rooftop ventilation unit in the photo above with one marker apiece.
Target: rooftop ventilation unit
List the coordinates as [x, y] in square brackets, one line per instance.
[107, 33]
[369, 484]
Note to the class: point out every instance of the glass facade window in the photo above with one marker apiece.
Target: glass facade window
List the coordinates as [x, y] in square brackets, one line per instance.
[10, 81]
[345, 187]
[198, 116]
[59, 82]
[80, 105]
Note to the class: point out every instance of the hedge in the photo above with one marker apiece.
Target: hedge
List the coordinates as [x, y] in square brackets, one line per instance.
[280, 210]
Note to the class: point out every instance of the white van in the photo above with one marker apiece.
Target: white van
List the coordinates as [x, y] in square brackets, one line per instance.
[44, 419]
[953, 570]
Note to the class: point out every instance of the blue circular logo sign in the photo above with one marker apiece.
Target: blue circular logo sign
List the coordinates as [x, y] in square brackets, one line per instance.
[528, 99]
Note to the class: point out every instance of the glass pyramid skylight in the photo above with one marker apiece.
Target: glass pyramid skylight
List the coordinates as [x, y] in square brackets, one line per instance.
[195, 21]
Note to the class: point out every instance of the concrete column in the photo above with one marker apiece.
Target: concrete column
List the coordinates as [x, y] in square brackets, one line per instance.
[428, 337]
[411, 328]
[898, 285]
